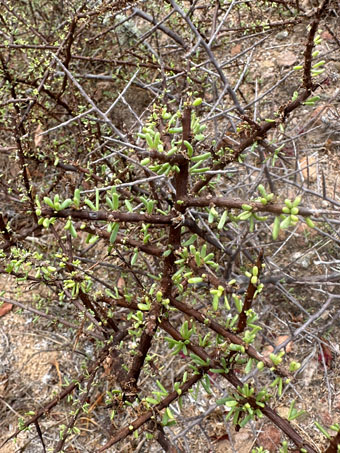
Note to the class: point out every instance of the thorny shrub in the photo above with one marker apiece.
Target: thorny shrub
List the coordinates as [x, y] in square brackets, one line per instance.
[148, 176]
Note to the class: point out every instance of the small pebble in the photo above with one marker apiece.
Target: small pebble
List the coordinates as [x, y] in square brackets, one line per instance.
[282, 35]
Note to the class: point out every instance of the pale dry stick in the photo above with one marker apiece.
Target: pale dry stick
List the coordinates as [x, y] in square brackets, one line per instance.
[245, 69]
[254, 101]
[316, 117]
[287, 240]
[161, 27]
[89, 100]
[10, 408]
[98, 148]
[210, 55]
[312, 192]
[126, 184]
[114, 153]
[158, 92]
[66, 123]
[273, 175]
[133, 113]
[137, 163]
[121, 94]
[108, 78]
[50, 317]
[15, 101]
[169, 79]
[306, 361]
[319, 244]
[154, 28]
[283, 290]
[221, 172]
[213, 108]
[327, 263]
[119, 142]
[200, 65]
[196, 421]
[147, 170]
[254, 35]
[211, 40]
[245, 51]
[327, 235]
[329, 223]
[297, 136]
[219, 99]
[304, 326]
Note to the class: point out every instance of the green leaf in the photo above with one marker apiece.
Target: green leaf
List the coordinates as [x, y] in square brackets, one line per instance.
[276, 228]
[194, 280]
[285, 223]
[114, 232]
[90, 204]
[223, 220]
[65, 204]
[49, 202]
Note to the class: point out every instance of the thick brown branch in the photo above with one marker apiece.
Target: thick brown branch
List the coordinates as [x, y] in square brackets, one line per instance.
[283, 424]
[231, 337]
[124, 432]
[307, 78]
[249, 296]
[115, 216]
[231, 203]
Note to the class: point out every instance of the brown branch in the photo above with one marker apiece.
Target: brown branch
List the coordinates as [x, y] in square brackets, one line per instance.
[208, 322]
[333, 444]
[181, 185]
[67, 390]
[128, 241]
[115, 216]
[137, 423]
[83, 398]
[194, 228]
[4, 231]
[164, 441]
[307, 78]
[69, 40]
[231, 337]
[144, 346]
[281, 423]
[231, 203]
[209, 276]
[85, 298]
[161, 27]
[249, 296]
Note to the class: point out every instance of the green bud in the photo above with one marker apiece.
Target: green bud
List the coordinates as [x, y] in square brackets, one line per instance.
[309, 222]
[197, 102]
